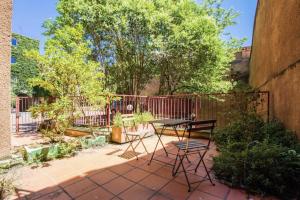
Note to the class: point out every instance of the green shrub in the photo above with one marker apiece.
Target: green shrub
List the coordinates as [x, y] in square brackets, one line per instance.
[138, 118]
[277, 134]
[147, 116]
[6, 186]
[142, 118]
[65, 149]
[261, 157]
[244, 130]
[117, 121]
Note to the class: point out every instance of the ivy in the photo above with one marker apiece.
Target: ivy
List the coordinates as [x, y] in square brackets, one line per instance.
[24, 68]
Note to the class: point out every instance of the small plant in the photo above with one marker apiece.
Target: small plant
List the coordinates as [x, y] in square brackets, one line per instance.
[118, 120]
[58, 119]
[66, 149]
[146, 117]
[6, 186]
[142, 118]
[41, 157]
[138, 118]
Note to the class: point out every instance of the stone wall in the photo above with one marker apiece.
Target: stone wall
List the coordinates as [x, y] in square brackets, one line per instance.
[5, 52]
[275, 58]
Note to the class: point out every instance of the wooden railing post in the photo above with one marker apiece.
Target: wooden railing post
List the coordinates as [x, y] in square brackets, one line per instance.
[17, 114]
[196, 107]
[108, 111]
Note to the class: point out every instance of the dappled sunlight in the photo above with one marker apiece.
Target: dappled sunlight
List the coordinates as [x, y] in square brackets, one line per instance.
[103, 174]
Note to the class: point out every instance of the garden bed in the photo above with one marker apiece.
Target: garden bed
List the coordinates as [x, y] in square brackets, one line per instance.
[43, 152]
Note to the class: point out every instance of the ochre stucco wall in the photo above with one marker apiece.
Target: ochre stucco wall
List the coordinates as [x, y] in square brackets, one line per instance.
[5, 52]
[274, 63]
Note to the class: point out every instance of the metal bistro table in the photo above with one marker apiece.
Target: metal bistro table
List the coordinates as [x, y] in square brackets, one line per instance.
[174, 123]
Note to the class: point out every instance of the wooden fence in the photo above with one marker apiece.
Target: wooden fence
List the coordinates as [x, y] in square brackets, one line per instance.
[220, 106]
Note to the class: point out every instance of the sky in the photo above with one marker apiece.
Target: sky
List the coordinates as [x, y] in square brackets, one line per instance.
[29, 15]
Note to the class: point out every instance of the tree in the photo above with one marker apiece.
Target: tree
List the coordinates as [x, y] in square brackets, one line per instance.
[180, 42]
[66, 72]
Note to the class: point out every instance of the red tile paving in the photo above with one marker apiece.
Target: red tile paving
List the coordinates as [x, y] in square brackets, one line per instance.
[103, 177]
[136, 175]
[99, 176]
[118, 185]
[80, 187]
[137, 192]
[176, 191]
[197, 195]
[57, 195]
[121, 169]
[98, 193]
[159, 196]
[154, 182]
[219, 190]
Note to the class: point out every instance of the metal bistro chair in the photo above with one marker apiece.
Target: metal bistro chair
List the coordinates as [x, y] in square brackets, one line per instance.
[188, 147]
[133, 135]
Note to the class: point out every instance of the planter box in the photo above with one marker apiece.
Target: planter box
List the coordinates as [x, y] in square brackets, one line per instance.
[116, 134]
[77, 132]
[93, 142]
[40, 152]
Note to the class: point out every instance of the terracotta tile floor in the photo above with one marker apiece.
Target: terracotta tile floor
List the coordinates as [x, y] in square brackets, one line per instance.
[101, 174]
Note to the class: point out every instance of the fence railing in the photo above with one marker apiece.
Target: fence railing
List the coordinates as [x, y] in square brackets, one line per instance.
[221, 106]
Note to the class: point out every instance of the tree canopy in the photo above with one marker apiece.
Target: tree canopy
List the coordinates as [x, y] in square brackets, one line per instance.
[65, 69]
[178, 42]
[67, 74]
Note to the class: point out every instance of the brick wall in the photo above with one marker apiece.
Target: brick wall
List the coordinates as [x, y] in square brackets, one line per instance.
[5, 52]
[275, 58]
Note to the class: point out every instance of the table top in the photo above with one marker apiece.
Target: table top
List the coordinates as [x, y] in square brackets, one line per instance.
[170, 122]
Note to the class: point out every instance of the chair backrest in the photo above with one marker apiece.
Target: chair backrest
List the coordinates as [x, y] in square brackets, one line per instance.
[201, 126]
[128, 121]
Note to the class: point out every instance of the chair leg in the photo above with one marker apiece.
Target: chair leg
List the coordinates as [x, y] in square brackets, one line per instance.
[187, 158]
[174, 166]
[141, 140]
[207, 173]
[201, 159]
[185, 173]
[137, 143]
[184, 156]
[131, 145]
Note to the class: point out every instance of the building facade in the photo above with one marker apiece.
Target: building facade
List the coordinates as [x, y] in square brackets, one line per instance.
[275, 58]
[5, 59]
[240, 66]
[22, 68]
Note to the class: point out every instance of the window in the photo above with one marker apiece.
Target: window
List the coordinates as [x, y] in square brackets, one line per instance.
[13, 60]
[14, 42]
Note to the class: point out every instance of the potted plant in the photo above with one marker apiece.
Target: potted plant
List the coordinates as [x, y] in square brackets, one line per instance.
[144, 122]
[116, 135]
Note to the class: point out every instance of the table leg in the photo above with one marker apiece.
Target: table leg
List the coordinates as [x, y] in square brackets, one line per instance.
[159, 140]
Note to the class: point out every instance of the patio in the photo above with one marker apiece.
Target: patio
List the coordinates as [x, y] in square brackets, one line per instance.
[102, 174]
